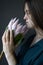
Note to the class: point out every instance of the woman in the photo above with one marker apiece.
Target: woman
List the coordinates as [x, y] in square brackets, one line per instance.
[33, 55]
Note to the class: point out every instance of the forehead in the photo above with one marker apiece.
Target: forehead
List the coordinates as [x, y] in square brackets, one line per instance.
[26, 7]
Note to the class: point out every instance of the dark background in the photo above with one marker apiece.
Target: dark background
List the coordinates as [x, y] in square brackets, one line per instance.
[8, 10]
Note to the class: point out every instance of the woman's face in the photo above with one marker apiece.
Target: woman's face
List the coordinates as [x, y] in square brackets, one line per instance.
[28, 17]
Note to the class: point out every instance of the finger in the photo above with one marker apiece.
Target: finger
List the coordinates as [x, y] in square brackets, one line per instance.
[11, 37]
[4, 37]
[7, 36]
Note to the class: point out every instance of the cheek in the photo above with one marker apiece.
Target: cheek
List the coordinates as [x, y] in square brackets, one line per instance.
[30, 20]
[30, 23]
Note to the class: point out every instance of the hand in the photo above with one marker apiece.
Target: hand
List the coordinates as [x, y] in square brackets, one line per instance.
[8, 47]
[8, 42]
[8, 39]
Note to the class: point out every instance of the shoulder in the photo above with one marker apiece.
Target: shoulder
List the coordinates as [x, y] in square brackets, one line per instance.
[39, 59]
[34, 55]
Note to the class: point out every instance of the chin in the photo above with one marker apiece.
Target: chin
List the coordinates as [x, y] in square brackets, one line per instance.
[29, 26]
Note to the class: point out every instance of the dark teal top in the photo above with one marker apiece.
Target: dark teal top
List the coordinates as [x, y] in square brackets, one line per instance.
[34, 55]
[30, 55]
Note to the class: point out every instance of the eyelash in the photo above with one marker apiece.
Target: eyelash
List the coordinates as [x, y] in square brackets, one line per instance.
[26, 13]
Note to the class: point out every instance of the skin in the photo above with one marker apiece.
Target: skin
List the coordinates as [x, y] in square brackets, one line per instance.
[30, 22]
[7, 38]
[28, 17]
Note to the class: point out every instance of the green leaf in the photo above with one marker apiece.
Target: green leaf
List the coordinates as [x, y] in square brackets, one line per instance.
[18, 38]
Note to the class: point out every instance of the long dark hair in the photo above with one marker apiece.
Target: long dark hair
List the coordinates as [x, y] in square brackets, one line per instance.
[36, 9]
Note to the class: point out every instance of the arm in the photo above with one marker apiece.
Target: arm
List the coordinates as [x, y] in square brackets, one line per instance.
[8, 45]
[10, 59]
[8, 40]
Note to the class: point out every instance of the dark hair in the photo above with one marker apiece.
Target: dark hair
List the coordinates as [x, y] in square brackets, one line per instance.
[36, 9]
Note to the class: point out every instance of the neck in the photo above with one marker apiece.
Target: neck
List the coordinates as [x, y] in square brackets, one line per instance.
[39, 32]
[39, 36]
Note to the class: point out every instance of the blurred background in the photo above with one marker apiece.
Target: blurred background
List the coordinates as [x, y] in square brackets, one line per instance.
[8, 10]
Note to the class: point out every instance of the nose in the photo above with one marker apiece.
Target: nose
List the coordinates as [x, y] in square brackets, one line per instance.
[25, 17]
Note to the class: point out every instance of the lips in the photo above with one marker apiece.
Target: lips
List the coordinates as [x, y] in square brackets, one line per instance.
[26, 21]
